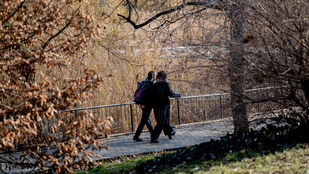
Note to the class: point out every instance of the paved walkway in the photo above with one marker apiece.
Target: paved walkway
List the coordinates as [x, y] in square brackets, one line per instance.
[185, 136]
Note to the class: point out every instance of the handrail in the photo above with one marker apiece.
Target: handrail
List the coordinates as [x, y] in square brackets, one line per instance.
[172, 98]
[184, 110]
[101, 106]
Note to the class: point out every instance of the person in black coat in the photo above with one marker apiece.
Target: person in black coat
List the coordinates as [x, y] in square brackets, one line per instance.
[146, 108]
[162, 90]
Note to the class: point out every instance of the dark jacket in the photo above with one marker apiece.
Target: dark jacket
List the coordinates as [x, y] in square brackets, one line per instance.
[149, 93]
[162, 90]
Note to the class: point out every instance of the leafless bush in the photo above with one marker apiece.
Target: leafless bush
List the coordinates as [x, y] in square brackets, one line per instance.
[277, 34]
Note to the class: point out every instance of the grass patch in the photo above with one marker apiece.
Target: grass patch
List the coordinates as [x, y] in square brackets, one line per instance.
[295, 160]
[120, 164]
[289, 161]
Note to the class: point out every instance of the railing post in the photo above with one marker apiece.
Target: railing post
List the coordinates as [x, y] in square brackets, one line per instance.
[258, 102]
[178, 110]
[221, 109]
[132, 121]
[77, 130]
[205, 115]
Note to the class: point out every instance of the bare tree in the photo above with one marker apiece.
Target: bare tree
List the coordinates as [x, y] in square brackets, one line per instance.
[236, 68]
[234, 12]
[279, 34]
[43, 35]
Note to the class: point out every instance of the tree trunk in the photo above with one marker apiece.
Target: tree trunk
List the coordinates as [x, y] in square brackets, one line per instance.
[236, 66]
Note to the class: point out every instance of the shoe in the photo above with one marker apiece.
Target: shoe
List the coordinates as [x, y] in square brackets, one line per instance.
[137, 139]
[154, 141]
[171, 134]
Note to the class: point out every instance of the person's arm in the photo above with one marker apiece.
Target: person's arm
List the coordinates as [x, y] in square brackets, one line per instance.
[170, 91]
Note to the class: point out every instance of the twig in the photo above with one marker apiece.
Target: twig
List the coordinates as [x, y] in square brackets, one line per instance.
[179, 7]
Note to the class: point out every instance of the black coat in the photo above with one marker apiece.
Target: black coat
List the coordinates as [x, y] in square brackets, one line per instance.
[149, 93]
[162, 90]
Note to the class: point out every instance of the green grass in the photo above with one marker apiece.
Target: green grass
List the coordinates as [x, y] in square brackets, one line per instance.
[119, 164]
[295, 160]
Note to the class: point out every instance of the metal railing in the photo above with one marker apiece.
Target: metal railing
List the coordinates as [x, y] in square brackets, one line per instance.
[190, 109]
[185, 110]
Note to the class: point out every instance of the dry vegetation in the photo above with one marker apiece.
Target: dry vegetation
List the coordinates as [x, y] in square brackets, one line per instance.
[58, 55]
[122, 55]
[38, 37]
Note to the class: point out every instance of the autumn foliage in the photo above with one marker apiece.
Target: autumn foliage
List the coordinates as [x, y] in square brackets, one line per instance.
[35, 131]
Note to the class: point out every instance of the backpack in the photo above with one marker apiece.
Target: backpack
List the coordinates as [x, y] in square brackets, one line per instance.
[141, 92]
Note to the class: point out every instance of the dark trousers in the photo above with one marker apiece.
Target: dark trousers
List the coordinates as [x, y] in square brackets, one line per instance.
[167, 130]
[158, 129]
[145, 120]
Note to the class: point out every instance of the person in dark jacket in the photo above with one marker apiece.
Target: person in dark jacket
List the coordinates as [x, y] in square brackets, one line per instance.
[146, 107]
[162, 90]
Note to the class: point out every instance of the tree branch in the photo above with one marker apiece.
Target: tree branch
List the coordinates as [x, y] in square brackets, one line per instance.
[16, 10]
[171, 22]
[209, 4]
[60, 31]
[117, 56]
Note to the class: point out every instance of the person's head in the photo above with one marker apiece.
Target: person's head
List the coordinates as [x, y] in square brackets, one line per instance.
[151, 75]
[162, 75]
